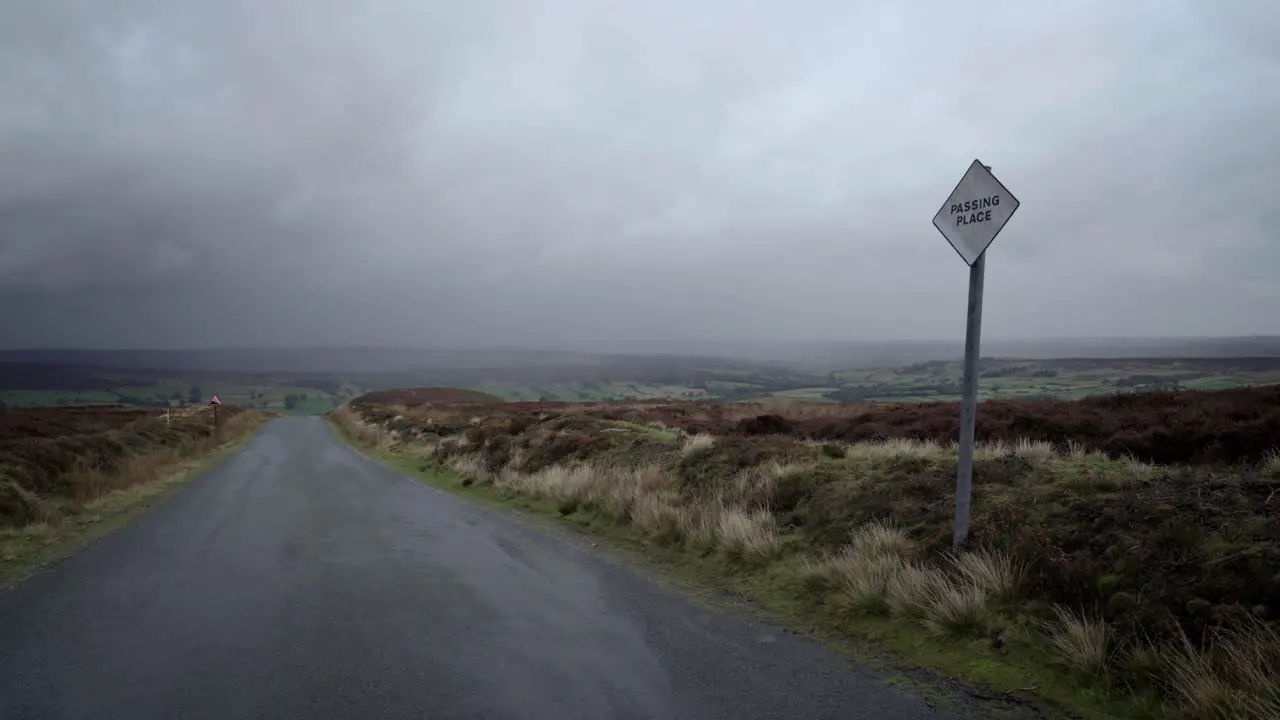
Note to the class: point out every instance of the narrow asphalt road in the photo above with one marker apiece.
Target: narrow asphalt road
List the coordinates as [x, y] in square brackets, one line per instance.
[300, 579]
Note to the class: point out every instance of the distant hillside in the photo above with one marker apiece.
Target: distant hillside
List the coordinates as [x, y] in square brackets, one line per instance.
[49, 376]
[826, 356]
[345, 360]
[815, 356]
[410, 397]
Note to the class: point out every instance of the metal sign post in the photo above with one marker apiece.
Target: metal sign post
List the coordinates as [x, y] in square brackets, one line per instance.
[970, 219]
[214, 402]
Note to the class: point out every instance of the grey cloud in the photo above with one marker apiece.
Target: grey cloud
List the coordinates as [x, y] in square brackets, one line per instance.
[639, 175]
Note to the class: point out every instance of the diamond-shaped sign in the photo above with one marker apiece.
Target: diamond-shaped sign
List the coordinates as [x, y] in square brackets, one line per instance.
[976, 211]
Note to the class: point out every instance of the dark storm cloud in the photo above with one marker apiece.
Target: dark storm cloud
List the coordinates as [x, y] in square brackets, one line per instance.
[636, 175]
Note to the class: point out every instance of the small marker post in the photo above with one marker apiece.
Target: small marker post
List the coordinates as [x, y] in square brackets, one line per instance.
[214, 402]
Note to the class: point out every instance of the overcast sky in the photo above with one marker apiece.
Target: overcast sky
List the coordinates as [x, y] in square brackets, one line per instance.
[629, 175]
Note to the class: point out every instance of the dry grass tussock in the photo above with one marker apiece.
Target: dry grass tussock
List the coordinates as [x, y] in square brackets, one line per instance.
[955, 609]
[944, 603]
[363, 432]
[747, 533]
[1083, 642]
[1032, 451]
[881, 539]
[907, 591]
[1235, 675]
[862, 570]
[863, 582]
[878, 572]
[895, 448]
[1271, 463]
[995, 572]
[662, 519]
[646, 496]
[471, 467]
[697, 443]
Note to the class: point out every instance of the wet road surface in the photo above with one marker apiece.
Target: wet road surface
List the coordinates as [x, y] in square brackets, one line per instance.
[300, 579]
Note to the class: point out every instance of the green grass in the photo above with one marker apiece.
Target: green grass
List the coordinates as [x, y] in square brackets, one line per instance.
[48, 398]
[166, 388]
[812, 393]
[313, 404]
[1212, 383]
[578, 391]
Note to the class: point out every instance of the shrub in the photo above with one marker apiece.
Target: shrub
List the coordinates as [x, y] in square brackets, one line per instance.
[1199, 427]
[50, 457]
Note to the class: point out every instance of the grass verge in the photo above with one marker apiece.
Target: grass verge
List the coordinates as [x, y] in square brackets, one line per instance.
[136, 484]
[966, 616]
[1084, 577]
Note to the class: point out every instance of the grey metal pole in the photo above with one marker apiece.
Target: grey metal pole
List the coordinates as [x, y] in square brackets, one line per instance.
[969, 400]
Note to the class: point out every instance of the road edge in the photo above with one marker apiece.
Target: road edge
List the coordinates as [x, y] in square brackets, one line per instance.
[115, 511]
[940, 691]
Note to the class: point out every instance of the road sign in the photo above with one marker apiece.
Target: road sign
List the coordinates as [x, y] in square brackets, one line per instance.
[215, 400]
[970, 219]
[976, 211]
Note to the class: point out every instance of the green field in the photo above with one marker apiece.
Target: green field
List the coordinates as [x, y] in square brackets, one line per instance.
[1010, 379]
[574, 391]
[276, 398]
[1001, 378]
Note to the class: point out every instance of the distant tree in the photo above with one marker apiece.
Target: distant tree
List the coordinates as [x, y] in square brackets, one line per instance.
[195, 395]
[290, 402]
[3, 407]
